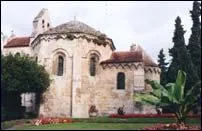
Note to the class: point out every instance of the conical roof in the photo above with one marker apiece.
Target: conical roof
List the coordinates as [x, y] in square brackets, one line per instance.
[74, 27]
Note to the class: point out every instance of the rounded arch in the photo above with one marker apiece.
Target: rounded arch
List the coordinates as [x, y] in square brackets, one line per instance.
[90, 52]
[59, 62]
[62, 51]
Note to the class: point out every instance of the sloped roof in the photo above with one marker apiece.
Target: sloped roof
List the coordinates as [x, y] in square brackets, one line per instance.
[138, 55]
[18, 42]
[74, 27]
[148, 61]
[124, 56]
[40, 14]
[146, 58]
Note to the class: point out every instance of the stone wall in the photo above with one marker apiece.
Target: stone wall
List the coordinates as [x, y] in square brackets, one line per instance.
[139, 77]
[14, 50]
[72, 94]
[140, 108]
[152, 73]
[102, 91]
[58, 100]
[84, 85]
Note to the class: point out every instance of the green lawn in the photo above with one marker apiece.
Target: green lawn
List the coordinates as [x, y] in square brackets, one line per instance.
[87, 126]
[134, 120]
[106, 123]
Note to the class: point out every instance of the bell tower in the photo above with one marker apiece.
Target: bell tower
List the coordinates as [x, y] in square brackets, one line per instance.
[41, 23]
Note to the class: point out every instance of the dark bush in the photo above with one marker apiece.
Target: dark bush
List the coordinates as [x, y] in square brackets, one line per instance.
[121, 111]
[20, 74]
[8, 114]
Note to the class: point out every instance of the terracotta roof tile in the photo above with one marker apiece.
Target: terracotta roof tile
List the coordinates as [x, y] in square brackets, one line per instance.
[127, 56]
[130, 56]
[18, 42]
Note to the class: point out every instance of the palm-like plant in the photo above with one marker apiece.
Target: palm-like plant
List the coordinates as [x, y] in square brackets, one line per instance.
[173, 95]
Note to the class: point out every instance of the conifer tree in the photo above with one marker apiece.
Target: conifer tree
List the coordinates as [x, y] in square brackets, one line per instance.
[162, 65]
[181, 59]
[194, 45]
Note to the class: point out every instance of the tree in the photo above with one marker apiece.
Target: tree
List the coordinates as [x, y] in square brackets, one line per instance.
[173, 95]
[194, 45]
[162, 65]
[21, 74]
[181, 59]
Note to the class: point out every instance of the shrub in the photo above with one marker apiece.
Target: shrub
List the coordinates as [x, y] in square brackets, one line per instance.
[93, 111]
[121, 111]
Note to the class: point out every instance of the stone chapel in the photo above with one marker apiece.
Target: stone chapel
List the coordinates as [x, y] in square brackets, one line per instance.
[84, 67]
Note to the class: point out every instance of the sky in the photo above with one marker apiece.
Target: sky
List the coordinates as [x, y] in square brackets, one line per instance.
[147, 23]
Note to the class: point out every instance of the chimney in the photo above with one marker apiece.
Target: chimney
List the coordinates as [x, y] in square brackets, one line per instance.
[133, 47]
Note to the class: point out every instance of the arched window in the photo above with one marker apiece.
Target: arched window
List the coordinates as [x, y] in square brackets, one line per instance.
[93, 64]
[121, 80]
[60, 66]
